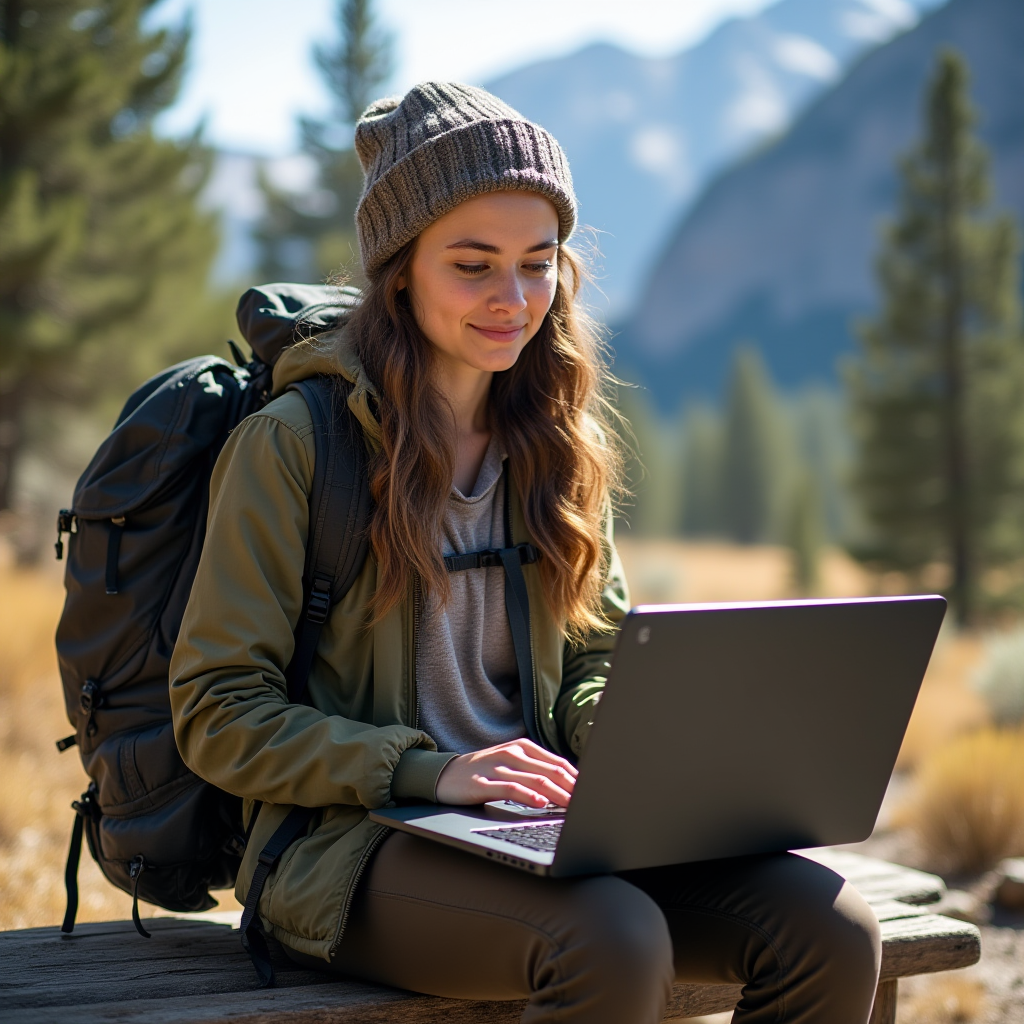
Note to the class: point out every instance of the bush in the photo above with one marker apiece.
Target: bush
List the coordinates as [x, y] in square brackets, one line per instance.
[1000, 679]
[967, 806]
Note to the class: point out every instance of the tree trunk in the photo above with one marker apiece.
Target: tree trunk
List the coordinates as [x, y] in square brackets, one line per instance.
[11, 409]
[953, 342]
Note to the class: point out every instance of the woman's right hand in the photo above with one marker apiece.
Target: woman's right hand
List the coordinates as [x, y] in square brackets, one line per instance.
[519, 770]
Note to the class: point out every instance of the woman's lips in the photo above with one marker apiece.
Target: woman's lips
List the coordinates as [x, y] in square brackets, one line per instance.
[499, 333]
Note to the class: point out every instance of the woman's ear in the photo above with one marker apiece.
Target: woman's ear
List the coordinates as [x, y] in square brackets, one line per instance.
[400, 283]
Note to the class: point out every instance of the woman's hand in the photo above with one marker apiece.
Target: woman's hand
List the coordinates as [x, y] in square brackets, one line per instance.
[519, 770]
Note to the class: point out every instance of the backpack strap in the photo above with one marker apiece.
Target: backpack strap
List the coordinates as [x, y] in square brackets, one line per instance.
[339, 509]
[250, 927]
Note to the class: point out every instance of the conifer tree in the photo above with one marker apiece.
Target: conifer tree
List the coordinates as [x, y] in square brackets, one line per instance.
[804, 533]
[757, 460]
[702, 473]
[310, 235]
[652, 468]
[103, 250]
[937, 389]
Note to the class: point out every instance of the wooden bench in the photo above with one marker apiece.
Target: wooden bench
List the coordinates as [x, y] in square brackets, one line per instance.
[194, 971]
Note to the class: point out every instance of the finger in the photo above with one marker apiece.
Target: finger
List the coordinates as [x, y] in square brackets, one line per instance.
[515, 760]
[539, 753]
[538, 784]
[556, 773]
[494, 790]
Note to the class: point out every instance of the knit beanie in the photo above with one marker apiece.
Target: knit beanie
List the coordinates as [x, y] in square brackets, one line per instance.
[442, 143]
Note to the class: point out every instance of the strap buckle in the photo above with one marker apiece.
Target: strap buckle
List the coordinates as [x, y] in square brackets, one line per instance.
[319, 603]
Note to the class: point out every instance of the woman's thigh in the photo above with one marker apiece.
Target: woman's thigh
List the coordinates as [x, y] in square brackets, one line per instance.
[440, 921]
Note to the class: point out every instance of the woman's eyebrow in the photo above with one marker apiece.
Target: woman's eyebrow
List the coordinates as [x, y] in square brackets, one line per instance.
[470, 243]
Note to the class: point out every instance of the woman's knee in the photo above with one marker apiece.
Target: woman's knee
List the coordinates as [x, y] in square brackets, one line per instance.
[614, 951]
[835, 942]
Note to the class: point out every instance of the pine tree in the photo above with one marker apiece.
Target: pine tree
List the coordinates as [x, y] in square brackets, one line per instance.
[103, 249]
[758, 457]
[308, 236]
[652, 469]
[804, 533]
[702, 473]
[938, 390]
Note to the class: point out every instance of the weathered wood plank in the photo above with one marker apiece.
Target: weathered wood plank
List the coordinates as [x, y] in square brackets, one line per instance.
[878, 879]
[195, 971]
[928, 943]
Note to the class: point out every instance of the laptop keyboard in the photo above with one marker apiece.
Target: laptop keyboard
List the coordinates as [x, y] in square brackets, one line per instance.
[533, 837]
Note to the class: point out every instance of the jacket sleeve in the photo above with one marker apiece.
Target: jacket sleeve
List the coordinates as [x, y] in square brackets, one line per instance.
[586, 663]
[232, 721]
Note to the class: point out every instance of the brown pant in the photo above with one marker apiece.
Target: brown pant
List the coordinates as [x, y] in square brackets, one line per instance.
[605, 950]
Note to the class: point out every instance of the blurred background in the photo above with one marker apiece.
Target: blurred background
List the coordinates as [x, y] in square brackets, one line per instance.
[803, 219]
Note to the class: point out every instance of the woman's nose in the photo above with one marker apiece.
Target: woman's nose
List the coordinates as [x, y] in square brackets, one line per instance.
[508, 295]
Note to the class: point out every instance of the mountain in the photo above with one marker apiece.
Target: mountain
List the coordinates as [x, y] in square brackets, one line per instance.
[644, 136]
[780, 249]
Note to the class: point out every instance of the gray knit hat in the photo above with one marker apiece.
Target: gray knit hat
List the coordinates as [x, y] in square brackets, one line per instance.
[440, 144]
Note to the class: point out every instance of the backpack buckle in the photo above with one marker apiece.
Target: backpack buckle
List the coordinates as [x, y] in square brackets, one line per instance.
[319, 603]
[90, 698]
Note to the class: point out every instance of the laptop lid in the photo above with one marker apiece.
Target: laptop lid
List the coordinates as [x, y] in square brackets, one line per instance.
[730, 729]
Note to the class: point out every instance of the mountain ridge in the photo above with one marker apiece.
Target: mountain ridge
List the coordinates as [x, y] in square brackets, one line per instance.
[779, 249]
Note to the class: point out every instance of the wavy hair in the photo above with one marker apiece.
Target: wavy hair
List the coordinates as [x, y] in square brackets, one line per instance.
[553, 415]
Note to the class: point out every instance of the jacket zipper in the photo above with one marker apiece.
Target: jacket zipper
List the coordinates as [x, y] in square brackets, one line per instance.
[382, 834]
[416, 589]
[533, 672]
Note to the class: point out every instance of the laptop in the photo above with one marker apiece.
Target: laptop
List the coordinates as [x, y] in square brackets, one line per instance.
[724, 730]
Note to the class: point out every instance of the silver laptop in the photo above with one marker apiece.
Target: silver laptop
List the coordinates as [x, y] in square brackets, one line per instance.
[724, 729]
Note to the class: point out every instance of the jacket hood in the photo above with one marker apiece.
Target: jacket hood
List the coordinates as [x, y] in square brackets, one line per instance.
[331, 353]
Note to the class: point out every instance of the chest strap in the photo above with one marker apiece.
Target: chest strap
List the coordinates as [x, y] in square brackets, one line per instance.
[491, 558]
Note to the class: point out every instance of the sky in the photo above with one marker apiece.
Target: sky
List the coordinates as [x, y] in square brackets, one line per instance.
[251, 73]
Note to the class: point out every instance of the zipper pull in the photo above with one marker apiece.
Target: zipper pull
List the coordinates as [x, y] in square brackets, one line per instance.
[135, 868]
[117, 524]
[65, 520]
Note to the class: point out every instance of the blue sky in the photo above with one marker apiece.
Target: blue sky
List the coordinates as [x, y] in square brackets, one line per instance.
[251, 72]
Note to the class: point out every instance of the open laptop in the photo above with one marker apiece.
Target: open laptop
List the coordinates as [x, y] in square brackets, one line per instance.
[724, 729]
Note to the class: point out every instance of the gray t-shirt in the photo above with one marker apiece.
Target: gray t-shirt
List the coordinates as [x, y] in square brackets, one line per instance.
[466, 674]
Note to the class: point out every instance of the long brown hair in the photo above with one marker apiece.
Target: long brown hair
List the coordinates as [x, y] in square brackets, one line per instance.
[552, 413]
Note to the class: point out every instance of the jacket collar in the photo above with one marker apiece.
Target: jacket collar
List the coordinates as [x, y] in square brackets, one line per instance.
[331, 353]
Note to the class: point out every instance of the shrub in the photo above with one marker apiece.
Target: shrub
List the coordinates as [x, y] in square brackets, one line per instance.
[1000, 678]
[967, 805]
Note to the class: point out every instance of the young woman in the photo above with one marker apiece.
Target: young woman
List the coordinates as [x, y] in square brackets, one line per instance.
[478, 387]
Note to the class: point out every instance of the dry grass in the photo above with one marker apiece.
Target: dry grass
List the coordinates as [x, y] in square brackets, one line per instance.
[945, 999]
[661, 571]
[966, 810]
[948, 704]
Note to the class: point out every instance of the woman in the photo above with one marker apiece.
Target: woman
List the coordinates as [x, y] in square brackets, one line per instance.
[478, 388]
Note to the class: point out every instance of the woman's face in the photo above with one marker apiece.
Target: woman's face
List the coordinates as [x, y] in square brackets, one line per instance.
[482, 278]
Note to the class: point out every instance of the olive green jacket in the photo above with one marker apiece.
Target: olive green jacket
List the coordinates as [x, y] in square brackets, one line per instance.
[357, 745]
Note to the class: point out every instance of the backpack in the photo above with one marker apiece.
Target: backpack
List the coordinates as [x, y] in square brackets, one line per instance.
[135, 532]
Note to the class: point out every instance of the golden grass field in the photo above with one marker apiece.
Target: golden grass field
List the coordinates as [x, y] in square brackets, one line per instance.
[37, 784]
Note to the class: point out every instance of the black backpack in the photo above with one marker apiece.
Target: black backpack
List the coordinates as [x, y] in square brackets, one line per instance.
[136, 529]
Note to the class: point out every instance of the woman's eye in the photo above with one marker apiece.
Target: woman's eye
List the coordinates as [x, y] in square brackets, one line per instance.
[471, 268]
[539, 268]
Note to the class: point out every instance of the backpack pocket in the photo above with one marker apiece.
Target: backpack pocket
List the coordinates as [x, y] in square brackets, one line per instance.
[184, 835]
